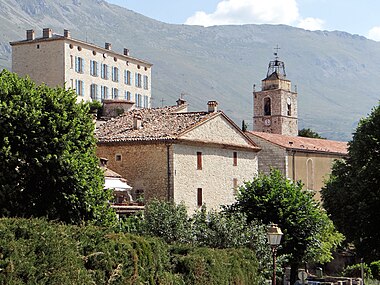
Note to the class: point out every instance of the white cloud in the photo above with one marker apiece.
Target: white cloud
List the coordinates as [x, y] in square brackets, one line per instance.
[235, 12]
[374, 34]
[311, 24]
[248, 12]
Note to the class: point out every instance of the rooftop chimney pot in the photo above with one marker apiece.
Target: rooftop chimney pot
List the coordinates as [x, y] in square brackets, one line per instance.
[67, 34]
[30, 35]
[108, 46]
[180, 102]
[137, 122]
[212, 106]
[47, 33]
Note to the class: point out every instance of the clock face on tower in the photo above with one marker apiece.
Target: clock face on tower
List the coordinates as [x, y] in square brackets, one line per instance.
[267, 122]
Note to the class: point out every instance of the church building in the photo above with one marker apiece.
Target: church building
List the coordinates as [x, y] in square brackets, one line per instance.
[275, 131]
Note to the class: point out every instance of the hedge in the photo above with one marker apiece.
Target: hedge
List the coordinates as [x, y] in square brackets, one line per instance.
[35, 251]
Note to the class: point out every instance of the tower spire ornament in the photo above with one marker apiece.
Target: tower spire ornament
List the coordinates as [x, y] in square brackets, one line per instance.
[276, 66]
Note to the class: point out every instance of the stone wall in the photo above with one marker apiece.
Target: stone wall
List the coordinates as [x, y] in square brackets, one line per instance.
[144, 166]
[216, 178]
[280, 122]
[217, 130]
[271, 156]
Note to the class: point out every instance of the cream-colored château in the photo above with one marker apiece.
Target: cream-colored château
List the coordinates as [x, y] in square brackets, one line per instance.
[95, 73]
[276, 133]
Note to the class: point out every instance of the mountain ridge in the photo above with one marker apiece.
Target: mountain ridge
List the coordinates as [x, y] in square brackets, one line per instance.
[335, 72]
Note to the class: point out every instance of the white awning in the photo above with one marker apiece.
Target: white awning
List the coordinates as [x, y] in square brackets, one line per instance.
[116, 184]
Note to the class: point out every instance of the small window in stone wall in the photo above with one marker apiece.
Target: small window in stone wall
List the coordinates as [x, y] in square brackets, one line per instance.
[199, 160]
[199, 197]
[118, 157]
[235, 158]
[38, 46]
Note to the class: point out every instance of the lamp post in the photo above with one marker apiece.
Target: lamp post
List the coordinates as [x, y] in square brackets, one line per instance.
[274, 235]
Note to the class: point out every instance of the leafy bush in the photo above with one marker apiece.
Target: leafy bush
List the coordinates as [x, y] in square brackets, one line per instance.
[375, 269]
[213, 266]
[355, 271]
[36, 251]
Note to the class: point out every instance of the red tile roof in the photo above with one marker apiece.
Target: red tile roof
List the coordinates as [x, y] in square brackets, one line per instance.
[157, 124]
[302, 143]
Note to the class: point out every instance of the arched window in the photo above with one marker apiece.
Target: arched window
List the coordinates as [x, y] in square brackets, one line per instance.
[267, 106]
[310, 174]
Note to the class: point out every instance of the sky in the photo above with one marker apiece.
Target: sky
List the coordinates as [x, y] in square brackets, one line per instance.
[353, 16]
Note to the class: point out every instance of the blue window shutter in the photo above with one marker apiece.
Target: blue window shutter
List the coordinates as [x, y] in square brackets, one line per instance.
[82, 61]
[97, 68]
[76, 64]
[136, 80]
[91, 67]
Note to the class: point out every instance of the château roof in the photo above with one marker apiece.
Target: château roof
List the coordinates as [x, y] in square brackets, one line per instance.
[164, 123]
[303, 143]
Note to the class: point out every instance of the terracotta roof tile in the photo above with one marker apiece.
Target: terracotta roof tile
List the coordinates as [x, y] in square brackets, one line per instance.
[157, 124]
[303, 143]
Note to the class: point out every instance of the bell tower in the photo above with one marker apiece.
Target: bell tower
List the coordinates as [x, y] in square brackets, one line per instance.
[275, 106]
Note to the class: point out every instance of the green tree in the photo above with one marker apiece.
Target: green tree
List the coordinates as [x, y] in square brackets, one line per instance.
[352, 193]
[308, 133]
[244, 126]
[48, 165]
[167, 220]
[308, 233]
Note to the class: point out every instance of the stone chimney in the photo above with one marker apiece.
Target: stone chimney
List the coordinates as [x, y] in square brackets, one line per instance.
[212, 106]
[30, 35]
[180, 102]
[137, 122]
[67, 34]
[108, 46]
[47, 33]
[126, 51]
[103, 161]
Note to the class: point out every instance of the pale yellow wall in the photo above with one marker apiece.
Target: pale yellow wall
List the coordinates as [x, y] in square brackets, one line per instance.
[217, 130]
[43, 65]
[216, 176]
[51, 64]
[86, 53]
[314, 177]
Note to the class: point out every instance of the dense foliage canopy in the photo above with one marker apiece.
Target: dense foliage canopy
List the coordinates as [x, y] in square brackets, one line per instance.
[34, 251]
[48, 165]
[309, 234]
[309, 133]
[352, 194]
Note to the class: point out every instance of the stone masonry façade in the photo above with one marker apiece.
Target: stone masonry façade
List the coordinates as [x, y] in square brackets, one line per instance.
[216, 178]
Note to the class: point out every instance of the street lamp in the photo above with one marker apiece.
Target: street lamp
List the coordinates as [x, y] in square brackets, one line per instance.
[274, 235]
